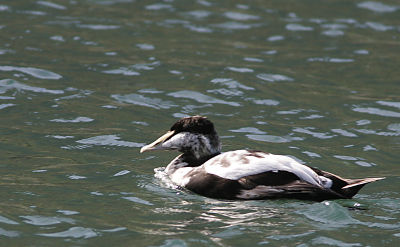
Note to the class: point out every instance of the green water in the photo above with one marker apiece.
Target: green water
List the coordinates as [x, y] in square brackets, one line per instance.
[84, 84]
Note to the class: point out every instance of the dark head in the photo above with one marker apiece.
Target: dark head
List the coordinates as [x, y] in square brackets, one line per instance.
[190, 135]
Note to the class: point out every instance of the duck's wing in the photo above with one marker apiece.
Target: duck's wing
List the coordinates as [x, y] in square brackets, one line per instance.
[235, 165]
[295, 190]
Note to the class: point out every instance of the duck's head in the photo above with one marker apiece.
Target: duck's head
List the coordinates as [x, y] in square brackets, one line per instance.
[190, 135]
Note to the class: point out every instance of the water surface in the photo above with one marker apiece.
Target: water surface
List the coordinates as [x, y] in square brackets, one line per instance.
[85, 84]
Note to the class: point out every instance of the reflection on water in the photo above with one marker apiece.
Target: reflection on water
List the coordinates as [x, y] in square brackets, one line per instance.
[84, 84]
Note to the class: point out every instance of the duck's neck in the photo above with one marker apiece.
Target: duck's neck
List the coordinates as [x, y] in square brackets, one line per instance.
[188, 160]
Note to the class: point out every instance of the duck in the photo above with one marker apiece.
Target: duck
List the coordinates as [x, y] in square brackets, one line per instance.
[243, 174]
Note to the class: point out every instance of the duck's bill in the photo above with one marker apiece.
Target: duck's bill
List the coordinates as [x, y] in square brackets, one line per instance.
[157, 144]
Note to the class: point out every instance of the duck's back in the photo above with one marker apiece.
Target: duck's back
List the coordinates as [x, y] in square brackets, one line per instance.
[235, 165]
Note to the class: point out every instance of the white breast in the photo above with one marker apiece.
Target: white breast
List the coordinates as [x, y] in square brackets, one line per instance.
[240, 163]
[179, 176]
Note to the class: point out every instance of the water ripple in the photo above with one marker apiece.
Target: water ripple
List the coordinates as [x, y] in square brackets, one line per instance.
[76, 120]
[321, 240]
[240, 70]
[40, 220]
[10, 234]
[52, 5]
[269, 102]
[98, 26]
[378, 26]
[273, 139]
[274, 77]
[2, 106]
[137, 200]
[230, 83]
[35, 72]
[330, 60]
[329, 215]
[377, 7]
[202, 98]
[235, 25]
[377, 111]
[251, 130]
[389, 103]
[73, 232]
[109, 140]
[141, 100]
[240, 16]
[298, 27]
[344, 132]
[307, 130]
[7, 221]
[146, 47]
[121, 173]
[67, 212]
[159, 6]
[199, 14]
[122, 71]
[9, 84]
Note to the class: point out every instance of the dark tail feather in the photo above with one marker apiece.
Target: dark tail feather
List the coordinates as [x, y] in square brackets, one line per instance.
[354, 185]
[344, 186]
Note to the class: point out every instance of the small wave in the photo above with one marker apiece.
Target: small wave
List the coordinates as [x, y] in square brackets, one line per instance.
[240, 70]
[146, 47]
[298, 27]
[389, 103]
[141, 100]
[230, 83]
[121, 173]
[7, 233]
[159, 6]
[76, 120]
[35, 72]
[73, 232]
[272, 138]
[76, 177]
[122, 71]
[377, 111]
[344, 132]
[251, 130]
[325, 241]
[52, 5]
[235, 25]
[202, 98]
[40, 220]
[274, 77]
[7, 221]
[9, 84]
[199, 14]
[275, 38]
[330, 60]
[137, 200]
[109, 140]
[98, 26]
[2, 106]
[240, 16]
[308, 131]
[377, 7]
[67, 212]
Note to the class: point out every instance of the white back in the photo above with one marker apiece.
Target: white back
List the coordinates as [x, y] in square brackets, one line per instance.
[240, 163]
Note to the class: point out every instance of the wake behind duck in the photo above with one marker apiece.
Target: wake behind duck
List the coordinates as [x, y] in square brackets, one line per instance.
[243, 174]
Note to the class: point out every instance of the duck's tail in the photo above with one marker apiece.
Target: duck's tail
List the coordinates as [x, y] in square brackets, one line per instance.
[344, 186]
[354, 185]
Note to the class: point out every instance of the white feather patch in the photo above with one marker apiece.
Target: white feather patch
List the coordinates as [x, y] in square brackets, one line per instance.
[240, 163]
[179, 176]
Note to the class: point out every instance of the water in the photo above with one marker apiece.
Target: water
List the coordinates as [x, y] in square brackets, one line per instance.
[84, 84]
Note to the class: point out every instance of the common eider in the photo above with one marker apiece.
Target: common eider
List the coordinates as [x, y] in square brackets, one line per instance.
[243, 174]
